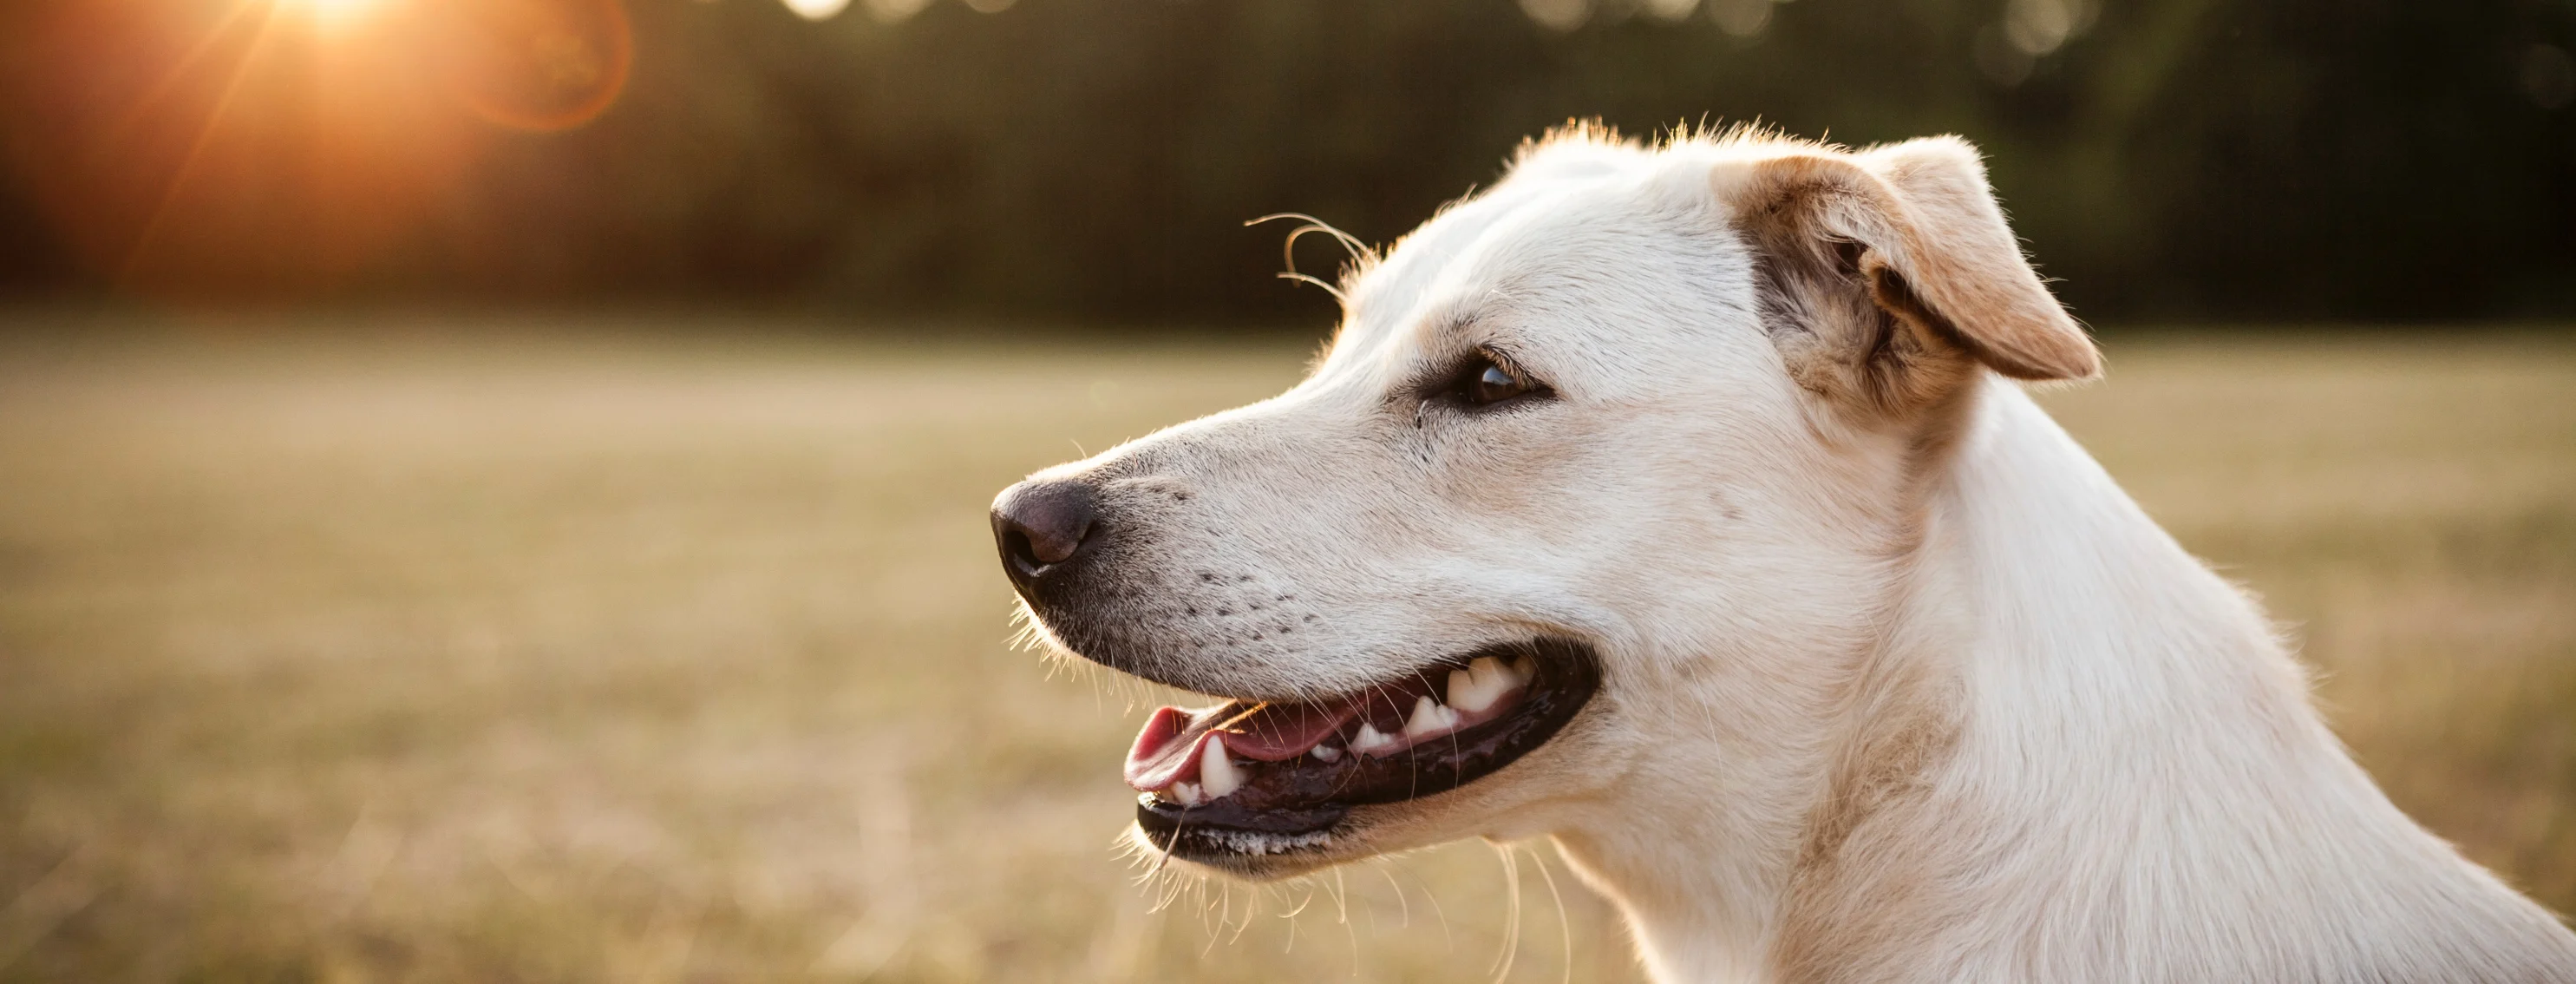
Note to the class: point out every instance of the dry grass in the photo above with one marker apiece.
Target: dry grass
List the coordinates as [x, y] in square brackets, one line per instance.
[642, 658]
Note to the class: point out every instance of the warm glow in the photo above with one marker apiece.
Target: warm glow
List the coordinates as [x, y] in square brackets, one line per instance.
[212, 147]
[817, 9]
[339, 11]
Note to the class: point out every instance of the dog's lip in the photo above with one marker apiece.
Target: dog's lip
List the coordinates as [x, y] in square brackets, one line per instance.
[1286, 799]
[1173, 745]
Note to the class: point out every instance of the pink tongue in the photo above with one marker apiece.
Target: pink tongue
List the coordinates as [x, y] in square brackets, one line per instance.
[1168, 750]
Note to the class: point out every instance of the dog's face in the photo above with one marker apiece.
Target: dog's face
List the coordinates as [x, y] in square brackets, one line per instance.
[1595, 493]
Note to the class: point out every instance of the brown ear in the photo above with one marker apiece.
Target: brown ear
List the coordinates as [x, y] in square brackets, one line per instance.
[1895, 269]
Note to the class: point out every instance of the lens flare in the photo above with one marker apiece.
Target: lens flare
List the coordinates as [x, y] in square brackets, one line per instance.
[530, 65]
[208, 148]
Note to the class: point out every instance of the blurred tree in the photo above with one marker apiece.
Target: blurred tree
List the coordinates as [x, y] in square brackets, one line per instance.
[1088, 159]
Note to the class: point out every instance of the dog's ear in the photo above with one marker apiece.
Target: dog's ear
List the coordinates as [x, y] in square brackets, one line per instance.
[1889, 275]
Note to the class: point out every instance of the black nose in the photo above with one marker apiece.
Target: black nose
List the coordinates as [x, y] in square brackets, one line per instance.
[1040, 524]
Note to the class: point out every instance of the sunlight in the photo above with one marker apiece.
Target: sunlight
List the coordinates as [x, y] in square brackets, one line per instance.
[344, 120]
[336, 12]
[817, 9]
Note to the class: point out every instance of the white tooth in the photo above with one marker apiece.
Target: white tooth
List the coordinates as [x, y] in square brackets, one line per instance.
[1525, 668]
[1370, 739]
[1325, 753]
[1187, 794]
[1482, 683]
[1463, 689]
[1216, 770]
[1429, 717]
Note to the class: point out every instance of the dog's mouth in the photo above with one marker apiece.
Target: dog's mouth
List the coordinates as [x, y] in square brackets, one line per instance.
[1272, 777]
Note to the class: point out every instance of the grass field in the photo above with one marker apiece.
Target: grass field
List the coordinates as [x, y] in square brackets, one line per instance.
[621, 657]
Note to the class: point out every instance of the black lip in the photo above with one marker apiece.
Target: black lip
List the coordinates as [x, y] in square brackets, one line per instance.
[1302, 797]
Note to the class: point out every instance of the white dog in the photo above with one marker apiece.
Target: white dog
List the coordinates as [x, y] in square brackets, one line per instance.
[1677, 503]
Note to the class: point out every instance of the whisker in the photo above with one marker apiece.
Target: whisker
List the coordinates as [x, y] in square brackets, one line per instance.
[1564, 927]
[1328, 288]
[1448, 942]
[1404, 906]
[1251, 908]
[1309, 884]
[1512, 920]
[1358, 250]
[1361, 255]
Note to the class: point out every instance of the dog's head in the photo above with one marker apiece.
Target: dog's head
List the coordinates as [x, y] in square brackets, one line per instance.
[1594, 500]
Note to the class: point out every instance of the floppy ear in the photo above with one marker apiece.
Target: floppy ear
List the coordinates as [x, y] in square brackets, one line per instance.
[1889, 275]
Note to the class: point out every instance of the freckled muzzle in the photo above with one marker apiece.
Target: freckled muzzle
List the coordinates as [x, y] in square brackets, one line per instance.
[1101, 561]
[1247, 778]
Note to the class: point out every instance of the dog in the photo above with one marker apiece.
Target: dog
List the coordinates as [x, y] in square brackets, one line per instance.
[1681, 503]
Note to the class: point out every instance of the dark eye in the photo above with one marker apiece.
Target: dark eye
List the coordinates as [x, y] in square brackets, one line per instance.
[1488, 381]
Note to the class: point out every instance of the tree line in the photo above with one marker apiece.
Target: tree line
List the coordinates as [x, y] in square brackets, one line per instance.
[1094, 160]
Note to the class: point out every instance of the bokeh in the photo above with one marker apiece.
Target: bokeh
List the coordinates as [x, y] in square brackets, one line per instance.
[495, 489]
[1095, 159]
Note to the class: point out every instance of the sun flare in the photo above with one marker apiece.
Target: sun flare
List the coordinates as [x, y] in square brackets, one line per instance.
[339, 11]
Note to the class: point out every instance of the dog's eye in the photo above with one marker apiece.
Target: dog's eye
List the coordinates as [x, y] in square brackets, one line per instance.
[1487, 381]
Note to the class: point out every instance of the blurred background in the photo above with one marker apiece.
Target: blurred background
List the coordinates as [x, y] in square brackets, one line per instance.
[494, 489]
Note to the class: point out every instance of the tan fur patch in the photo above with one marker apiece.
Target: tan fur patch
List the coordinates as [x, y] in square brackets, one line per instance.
[1885, 291]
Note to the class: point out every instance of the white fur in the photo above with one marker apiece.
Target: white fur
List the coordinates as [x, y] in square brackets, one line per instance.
[1869, 713]
[2143, 791]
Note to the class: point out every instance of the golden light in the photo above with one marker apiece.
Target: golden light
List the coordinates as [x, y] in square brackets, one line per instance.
[283, 145]
[334, 13]
[817, 10]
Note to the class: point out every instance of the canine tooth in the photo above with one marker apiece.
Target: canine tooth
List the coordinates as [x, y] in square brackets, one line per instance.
[1429, 717]
[1325, 753]
[1187, 794]
[1217, 773]
[1525, 668]
[1370, 739]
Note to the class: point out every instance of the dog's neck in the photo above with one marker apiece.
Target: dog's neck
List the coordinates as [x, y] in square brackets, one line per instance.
[2074, 754]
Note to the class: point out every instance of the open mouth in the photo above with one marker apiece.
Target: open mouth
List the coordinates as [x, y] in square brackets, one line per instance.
[1275, 777]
